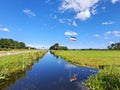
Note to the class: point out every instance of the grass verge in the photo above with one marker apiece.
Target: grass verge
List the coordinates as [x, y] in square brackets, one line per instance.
[13, 64]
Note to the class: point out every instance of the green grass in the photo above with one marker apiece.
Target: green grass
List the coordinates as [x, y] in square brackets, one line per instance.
[107, 78]
[13, 64]
[90, 58]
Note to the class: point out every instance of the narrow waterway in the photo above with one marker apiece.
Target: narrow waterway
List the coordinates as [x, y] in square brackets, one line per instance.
[52, 73]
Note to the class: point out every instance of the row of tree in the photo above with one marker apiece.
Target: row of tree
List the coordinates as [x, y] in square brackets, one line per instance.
[56, 46]
[114, 46]
[8, 44]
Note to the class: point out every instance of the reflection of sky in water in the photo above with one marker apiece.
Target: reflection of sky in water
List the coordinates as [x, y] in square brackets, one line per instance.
[52, 73]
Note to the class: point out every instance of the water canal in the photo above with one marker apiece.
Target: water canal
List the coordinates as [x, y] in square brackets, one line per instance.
[51, 73]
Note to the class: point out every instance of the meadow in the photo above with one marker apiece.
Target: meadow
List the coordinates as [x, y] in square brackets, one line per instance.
[108, 78]
[13, 64]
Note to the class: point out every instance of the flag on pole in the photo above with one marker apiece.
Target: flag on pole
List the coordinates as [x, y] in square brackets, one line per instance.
[73, 38]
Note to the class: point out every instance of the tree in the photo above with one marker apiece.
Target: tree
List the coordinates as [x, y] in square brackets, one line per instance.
[57, 47]
[6, 44]
[114, 46]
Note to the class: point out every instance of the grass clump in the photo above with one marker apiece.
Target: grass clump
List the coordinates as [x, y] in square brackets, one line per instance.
[107, 79]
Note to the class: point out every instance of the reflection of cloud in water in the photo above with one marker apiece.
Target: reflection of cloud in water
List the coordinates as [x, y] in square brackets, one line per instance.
[93, 71]
[68, 66]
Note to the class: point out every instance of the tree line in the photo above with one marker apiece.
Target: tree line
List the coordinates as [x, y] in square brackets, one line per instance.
[8, 44]
[56, 46]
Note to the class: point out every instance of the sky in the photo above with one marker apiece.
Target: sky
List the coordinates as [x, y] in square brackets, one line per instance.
[42, 23]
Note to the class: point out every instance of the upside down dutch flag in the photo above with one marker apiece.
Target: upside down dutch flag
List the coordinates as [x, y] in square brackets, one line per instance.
[73, 38]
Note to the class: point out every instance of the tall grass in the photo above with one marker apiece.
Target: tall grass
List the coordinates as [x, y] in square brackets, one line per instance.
[107, 79]
[14, 64]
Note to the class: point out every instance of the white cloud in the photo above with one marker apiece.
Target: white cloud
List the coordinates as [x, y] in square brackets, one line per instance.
[116, 33]
[111, 42]
[4, 29]
[83, 8]
[69, 66]
[83, 15]
[69, 33]
[113, 33]
[29, 12]
[108, 23]
[115, 1]
[74, 23]
[97, 35]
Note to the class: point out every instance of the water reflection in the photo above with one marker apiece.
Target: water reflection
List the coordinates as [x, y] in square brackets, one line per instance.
[52, 73]
[4, 84]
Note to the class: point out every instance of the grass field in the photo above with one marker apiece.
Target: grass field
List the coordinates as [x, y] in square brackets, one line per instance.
[90, 58]
[108, 78]
[16, 63]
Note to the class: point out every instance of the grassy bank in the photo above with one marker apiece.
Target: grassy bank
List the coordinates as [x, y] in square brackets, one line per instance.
[108, 78]
[13, 64]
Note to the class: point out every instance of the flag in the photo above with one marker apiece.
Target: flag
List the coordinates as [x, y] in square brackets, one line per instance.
[73, 38]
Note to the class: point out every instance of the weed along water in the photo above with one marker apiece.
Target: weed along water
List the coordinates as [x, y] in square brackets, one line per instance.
[53, 73]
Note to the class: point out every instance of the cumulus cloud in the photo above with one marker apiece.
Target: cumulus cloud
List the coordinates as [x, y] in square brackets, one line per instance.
[108, 23]
[83, 8]
[115, 1]
[83, 15]
[4, 29]
[29, 12]
[69, 33]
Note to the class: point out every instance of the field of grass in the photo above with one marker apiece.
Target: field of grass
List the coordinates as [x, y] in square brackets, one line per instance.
[91, 58]
[16, 63]
[107, 78]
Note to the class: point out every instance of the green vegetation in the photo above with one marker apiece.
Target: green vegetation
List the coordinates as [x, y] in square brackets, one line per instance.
[114, 46]
[91, 58]
[9, 44]
[57, 47]
[13, 64]
[108, 78]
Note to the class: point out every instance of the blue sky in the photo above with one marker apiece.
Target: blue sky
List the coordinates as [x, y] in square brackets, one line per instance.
[41, 23]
